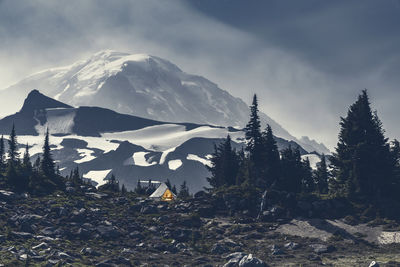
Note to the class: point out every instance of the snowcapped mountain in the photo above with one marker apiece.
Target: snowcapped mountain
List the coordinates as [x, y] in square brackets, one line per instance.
[101, 141]
[144, 86]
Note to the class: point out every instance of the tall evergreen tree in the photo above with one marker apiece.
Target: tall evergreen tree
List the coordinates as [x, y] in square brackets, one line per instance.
[292, 170]
[76, 177]
[168, 184]
[27, 170]
[26, 161]
[47, 164]
[2, 154]
[363, 164]
[395, 151]
[139, 189]
[13, 155]
[254, 143]
[244, 168]
[36, 164]
[307, 181]
[321, 176]
[272, 164]
[224, 165]
[123, 189]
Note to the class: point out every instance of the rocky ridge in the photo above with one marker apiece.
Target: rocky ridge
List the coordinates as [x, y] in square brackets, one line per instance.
[90, 228]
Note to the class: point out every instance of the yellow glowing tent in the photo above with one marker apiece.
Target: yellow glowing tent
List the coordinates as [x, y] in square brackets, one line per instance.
[163, 193]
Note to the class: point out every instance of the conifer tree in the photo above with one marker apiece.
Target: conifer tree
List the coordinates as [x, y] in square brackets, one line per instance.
[272, 165]
[139, 189]
[307, 179]
[243, 174]
[47, 164]
[26, 161]
[26, 170]
[254, 143]
[224, 165]
[76, 177]
[2, 153]
[13, 155]
[37, 163]
[292, 170]
[123, 189]
[174, 190]
[363, 164]
[183, 191]
[321, 176]
[168, 184]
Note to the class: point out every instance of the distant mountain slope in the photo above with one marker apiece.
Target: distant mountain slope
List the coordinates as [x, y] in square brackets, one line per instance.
[101, 142]
[140, 85]
[31, 114]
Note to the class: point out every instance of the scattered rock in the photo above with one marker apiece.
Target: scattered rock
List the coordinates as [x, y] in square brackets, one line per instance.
[321, 248]
[250, 261]
[291, 245]
[7, 195]
[275, 250]
[22, 235]
[42, 245]
[373, 264]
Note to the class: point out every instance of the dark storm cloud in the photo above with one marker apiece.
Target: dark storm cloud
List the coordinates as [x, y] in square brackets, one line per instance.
[343, 36]
[307, 60]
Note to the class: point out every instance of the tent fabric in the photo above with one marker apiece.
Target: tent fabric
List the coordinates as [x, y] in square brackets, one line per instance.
[163, 192]
[168, 195]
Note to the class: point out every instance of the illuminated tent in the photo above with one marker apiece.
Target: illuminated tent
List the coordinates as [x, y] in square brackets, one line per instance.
[163, 193]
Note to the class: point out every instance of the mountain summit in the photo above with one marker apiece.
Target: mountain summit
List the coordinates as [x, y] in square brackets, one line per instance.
[36, 101]
[144, 86]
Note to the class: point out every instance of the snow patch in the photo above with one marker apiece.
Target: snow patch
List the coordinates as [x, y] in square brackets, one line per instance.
[86, 154]
[98, 176]
[139, 159]
[174, 164]
[165, 154]
[205, 162]
[167, 136]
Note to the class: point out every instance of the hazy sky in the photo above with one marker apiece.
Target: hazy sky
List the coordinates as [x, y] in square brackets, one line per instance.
[307, 60]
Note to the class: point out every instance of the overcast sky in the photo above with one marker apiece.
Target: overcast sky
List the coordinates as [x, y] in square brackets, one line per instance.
[307, 60]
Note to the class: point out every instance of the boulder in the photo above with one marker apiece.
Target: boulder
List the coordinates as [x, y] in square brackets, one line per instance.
[275, 250]
[41, 246]
[22, 235]
[234, 259]
[7, 195]
[321, 248]
[250, 261]
[373, 264]
[291, 245]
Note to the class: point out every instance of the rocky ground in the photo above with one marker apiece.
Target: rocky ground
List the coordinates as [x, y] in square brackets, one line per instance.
[97, 229]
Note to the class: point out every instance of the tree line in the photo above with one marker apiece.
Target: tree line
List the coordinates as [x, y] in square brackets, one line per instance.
[365, 165]
[20, 175]
[42, 177]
